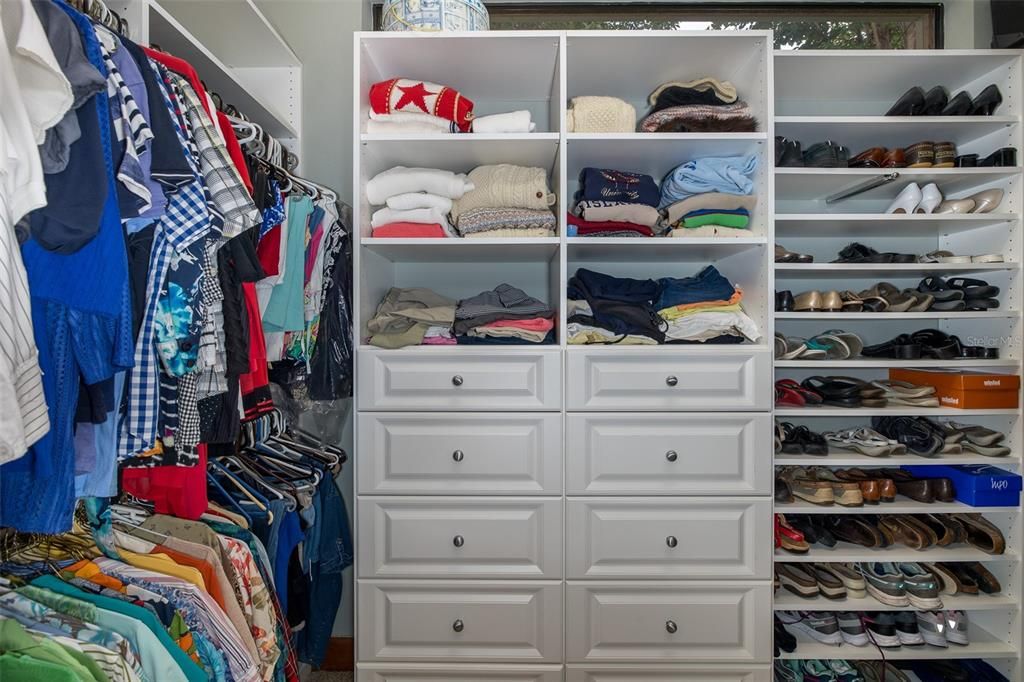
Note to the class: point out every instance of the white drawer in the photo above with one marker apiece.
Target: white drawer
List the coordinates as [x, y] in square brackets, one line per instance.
[699, 537]
[417, 453]
[439, 672]
[646, 454]
[470, 537]
[696, 622]
[468, 380]
[667, 673]
[700, 379]
[455, 621]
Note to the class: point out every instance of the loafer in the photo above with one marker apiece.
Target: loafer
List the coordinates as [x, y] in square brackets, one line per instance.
[984, 578]
[981, 533]
[946, 530]
[920, 155]
[850, 528]
[953, 578]
[910, 103]
[935, 100]
[805, 487]
[907, 530]
[869, 158]
[895, 158]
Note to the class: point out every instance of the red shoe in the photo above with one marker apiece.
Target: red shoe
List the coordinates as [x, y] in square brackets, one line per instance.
[788, 393]
[789, 538]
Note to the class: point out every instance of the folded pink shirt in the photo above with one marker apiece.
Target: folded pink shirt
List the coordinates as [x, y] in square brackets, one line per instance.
[535, 324]
[409, 230]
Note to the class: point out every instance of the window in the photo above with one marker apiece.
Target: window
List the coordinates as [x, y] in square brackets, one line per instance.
[806, 26]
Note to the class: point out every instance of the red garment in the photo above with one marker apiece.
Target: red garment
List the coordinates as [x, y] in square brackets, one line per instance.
[409, 230]
[269, 251]
[421, 97]
[255, 385]
[599, 226]
[234, 149]
[180, 66]
[176, 491]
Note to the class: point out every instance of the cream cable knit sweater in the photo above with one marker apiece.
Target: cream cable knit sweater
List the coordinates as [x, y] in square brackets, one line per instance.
[505, 186]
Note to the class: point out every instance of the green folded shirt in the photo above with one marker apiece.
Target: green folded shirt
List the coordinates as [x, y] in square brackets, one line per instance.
[723, 219]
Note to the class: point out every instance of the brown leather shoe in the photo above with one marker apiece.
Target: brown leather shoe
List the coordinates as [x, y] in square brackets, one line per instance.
[895, 158]
[982, 533]
[921, 155]
[943, 489]
[869, 158]
[849, 528]
[905, 530]
[917, 489]
[945, 155]
[987, 583]
[947, 531]
[886, 487]
[869, 488]
[954, 580]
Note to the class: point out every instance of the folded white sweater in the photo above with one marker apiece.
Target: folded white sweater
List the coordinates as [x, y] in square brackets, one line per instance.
[510, 122]
[428, 216]
[401, 180]
[405, 202]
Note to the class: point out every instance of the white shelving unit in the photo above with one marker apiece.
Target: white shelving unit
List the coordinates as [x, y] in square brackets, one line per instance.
[841, 96]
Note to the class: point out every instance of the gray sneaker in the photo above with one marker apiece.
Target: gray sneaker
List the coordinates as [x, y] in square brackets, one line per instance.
[852, 628]
[922, 586]
[932, 626]
[884, 582]
[819, 626]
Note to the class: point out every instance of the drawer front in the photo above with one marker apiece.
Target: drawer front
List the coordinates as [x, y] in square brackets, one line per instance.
[730, 378]
[455, 621]
[642, 454]
[435, 672]
[698, 622]
[668, 673]
[701, 537]
[472, 381]
[470, 537]
[421, 453]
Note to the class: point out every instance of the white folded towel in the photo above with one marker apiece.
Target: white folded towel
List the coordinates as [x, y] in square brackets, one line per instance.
[511, 122]
[405, 202]
[401, 180]
[428, 216]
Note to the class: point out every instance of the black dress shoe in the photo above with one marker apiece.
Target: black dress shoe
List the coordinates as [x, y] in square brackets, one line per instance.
[1007, 156]
[910, 103]
[788, 153]
[987, 101]
[784, 301]
[960, 105]
[935, 100]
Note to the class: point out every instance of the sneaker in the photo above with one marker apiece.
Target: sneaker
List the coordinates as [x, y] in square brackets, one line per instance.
[821, 627]
[907, 630]
[797, 579]
[884, 582]
[852, 628]
[817, 671]
[921, 585]
[932, 625]
[785, 673]
[843, 671]
[882, 629]
[851, 578]
[956, 627]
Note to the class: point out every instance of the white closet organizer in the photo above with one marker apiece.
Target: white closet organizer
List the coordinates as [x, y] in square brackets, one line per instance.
[540, 513]
[841, 96]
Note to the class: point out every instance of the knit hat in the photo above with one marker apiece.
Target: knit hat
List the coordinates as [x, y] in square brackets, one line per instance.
[593, 114]
[725, 90]
[505, 186]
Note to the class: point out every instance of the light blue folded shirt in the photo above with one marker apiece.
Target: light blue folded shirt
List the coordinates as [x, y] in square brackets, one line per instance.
[730, 174]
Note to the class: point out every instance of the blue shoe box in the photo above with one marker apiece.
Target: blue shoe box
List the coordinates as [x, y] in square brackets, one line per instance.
[979, 485]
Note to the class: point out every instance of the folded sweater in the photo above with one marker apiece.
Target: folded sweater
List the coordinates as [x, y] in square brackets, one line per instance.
[732, 174]
[602, 184]
[485, 219]
[715, 200]
[409, 230]
[429, 216]
[400, 180]
[581, 227]
[410, 200]
[505, 186]
[621, 211]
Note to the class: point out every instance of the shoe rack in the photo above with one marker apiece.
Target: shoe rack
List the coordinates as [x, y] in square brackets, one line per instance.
[841, 96]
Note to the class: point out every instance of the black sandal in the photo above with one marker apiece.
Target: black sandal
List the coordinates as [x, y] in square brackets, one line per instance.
[836, 391]
[937, 344]
[901, 347]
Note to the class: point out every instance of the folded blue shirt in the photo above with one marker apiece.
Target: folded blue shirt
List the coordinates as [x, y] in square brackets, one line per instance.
[731, 175]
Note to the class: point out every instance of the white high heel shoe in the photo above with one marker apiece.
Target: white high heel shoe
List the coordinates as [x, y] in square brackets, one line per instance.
[907, 200]
[931, 197]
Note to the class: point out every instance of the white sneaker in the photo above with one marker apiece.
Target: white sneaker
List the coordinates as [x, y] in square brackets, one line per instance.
[932, 625]
[956, 627]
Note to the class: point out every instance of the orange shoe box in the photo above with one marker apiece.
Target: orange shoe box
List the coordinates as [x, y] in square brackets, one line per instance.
[966, 390]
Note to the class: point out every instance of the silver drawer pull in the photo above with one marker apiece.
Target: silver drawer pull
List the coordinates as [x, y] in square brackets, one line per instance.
[458, 625]
[671, 541]
[671, 455]
[458, 541]
[458, 455]
[671, 627]
[671, 381]
[457, 380]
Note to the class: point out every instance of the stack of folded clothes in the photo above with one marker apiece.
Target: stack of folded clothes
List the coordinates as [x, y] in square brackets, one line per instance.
[613, 203]
[506, 201]
[406, 106]
[418, 201]
[701, 309]
[406, 316]
[710, 197]
[503, 316]
[705, 105]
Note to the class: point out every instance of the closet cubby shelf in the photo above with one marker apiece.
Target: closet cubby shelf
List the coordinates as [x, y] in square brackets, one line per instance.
[460, 138]
[983, 645]
[855, 553]
[841, 270]
[863, 412]
[786, 601]
[847, 458]
[902, 505]
[927, 315]
[868, 363]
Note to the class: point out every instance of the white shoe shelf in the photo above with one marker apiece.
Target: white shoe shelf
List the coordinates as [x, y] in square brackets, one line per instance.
[842, 96]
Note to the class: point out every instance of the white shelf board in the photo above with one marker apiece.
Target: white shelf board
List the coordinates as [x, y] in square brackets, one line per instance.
[454, 153]
[847, 458]
[658, 249]
[814, 184]
[462, 250]
[927, 315]
[504, 348]
[653, 154]
[861, 132]
[787, 601]
[665, 348]
[664, 137]
[459, 138]
[171, 36]
[902, 505]
[845, 552]
[858, 225]
[219, 25]
[830, 270]
[868, 363]
[983, 645]
[884, 411]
